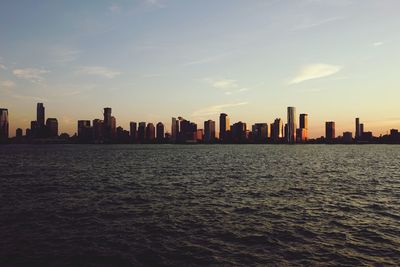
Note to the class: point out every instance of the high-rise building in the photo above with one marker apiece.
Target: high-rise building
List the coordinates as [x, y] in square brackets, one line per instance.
[52, 127]
[142, 132]
[174, 130]
[97, 130]
[291, 125]
[304, 121]
[107, 124]
[83, 129]
[209, 131]
[358, 129]
[330, 131]
[133, 131]
[18, 133]
[238, 131]
[361, 129]
[303, 129]
[277, 131]
[160, 131]
[260, 132]
[224, 126]
[40, 115]
[4, 125]
[347, 137]
[150, 132]
[113, 127]
[301, 135]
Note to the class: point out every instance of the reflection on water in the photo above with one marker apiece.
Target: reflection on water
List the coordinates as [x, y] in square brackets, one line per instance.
[148, 205]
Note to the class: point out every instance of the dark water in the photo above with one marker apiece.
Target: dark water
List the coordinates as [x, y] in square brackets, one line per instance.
[199, 205]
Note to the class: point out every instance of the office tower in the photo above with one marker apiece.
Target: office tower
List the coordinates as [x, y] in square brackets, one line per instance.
[107, 123]
[4, 125]
[238, 131]
[133, 131]
[361, 129]
[303, 128]
[52, 127]
[330, 131]
[113, 127]
[97, 129]
[40, 114]
[301, 135]
[174, 130]
[150, 132]
[209, 131]
[224, 126]
[199, 135]
[142, 132]
[160, 132]
[83, 129]
[34, 129]
[291, 125]
[347, 137]
[277, 131]
[260, 132]
[358, 130]
[18, 133]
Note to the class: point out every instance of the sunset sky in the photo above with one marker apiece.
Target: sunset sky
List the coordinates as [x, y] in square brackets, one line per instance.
[153, 59]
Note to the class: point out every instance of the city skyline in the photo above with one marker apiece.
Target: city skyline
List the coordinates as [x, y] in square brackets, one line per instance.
[186, 59]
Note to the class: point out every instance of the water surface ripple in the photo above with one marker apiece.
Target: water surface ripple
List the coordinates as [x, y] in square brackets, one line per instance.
[243, 205]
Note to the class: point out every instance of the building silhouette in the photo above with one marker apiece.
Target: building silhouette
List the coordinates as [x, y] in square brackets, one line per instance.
[277, 131]
[358, 129]
[224, 127]
[291, 125]
[174, 130]
[52, 127]
[302, 133]
[4, 125]
[209, 131]
[150, 132]
[142, 132]
[330, 134]
[160, 129]
[238, 131]
[133, 131]
[97, 130]
[260, 132]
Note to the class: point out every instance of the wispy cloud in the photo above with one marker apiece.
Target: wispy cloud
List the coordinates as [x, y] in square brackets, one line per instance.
[7, 84]
[224, 84]
[315, 71]
[98, 71]
[377, 44]
[216, 109]
[64, 55]
[30, 74]
[315, 23]
[2, 67]
[206, 60]
[114, 8]
[156, 3]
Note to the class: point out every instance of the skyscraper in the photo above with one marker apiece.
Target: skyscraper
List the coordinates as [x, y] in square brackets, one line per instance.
[52, 127]
[174, 130]
[160, 131]
[97, 130]
[358, 129]
[209, 131]
[260, 132]
[150, 132]
[4, 131]
[291, 125]
[302, 132]
[277, 133]
[224, 126]
[330, 131]
[40, 114]
[107, 123]
[142, 132]
[133, 131]
[304, 121]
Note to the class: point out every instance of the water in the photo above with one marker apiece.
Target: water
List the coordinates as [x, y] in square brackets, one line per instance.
[150, 205]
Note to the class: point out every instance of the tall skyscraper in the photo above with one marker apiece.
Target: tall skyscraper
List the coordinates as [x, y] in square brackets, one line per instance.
[83, 125]
[277, 133]
[52, 127]
[304, 121]
[174, 130]
[150, 132]
[260, 132]
[97, 130]
[107, 124]
[40, 115]
[133, 131]
[302, 132]
[113, 127]
[4, 125]
[330, 134]
[358, 129]
[239, 130]
[291, 125]
[142, 132]
[160, 131]
[209, 131]
[224, 126]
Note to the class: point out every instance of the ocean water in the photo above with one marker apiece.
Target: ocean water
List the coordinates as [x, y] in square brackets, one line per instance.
[199, 205]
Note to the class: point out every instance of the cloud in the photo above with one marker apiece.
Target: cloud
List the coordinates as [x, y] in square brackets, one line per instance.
[212, 110]
[377, 44]
[31, 74]
[315, 71]
[114, 8]
[156, 3]
[98, 71]
[64, 55]
[7, 84]
[311, 24]
[2, 67]
[224, 84]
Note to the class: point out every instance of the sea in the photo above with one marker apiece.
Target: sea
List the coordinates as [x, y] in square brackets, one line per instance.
[199, 205]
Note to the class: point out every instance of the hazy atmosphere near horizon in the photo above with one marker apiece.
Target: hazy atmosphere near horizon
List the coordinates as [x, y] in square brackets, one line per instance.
[153, 59]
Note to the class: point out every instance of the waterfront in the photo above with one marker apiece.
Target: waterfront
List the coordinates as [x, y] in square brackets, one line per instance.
[129, 205]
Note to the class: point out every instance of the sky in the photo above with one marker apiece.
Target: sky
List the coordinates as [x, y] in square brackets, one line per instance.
[151, 60]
